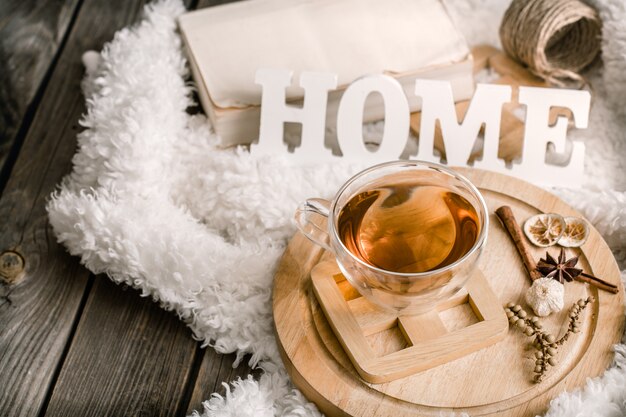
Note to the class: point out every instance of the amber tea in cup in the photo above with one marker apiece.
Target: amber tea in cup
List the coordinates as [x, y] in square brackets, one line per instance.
[411, 227]
[406, 234]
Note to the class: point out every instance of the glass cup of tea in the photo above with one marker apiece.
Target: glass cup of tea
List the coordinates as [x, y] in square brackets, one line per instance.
[406, 234]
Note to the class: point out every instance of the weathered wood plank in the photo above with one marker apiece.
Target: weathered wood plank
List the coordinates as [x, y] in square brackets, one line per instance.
[32, 32]
[128, 357]
[155, 355]
[214, 370]
[45, 158]
[38, 314]
[36, 319]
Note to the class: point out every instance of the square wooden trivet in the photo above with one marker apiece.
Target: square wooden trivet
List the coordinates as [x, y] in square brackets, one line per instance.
[407, 344]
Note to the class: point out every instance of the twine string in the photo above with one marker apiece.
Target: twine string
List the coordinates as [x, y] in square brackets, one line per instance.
[556, 39]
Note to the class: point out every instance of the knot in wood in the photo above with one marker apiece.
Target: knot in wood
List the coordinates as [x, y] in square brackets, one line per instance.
[12, 267]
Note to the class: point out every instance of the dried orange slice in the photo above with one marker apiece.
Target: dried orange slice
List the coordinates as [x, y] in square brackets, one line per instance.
[544, 229]
[576, 232]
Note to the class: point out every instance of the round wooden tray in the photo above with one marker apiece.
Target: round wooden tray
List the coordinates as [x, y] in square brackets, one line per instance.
[496, 379]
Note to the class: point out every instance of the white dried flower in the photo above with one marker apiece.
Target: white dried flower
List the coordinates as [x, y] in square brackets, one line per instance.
[545, 296]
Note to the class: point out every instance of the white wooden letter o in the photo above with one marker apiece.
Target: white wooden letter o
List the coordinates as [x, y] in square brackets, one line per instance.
[350, 119]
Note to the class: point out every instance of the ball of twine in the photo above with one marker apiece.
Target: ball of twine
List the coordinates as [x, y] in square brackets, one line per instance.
[556, 39]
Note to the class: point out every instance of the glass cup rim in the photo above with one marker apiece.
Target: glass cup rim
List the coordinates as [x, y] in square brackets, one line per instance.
[480, 242]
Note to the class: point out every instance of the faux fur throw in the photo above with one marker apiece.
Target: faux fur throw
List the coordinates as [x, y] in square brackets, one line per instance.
[154, 204]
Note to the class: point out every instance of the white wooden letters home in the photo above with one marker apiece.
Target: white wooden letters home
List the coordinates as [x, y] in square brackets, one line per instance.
[437, 104]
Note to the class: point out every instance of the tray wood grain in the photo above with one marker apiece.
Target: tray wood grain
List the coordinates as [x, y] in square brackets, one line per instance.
[405, 345]
[494, 381]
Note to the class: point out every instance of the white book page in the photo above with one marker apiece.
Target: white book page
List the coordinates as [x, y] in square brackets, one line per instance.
[348, 37]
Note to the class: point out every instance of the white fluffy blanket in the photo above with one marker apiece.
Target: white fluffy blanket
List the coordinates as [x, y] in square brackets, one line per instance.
[154, 204]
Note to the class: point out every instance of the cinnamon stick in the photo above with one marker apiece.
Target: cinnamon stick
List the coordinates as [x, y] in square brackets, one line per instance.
[505, 214]
[597, 282]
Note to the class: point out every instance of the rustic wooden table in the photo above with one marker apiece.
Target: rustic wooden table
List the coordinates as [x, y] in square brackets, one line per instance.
[72, 343]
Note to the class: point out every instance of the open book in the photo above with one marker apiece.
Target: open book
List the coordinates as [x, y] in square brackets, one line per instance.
[406, 39]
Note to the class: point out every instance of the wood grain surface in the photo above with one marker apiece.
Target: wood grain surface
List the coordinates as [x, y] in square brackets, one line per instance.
[69, 346]
[416, 343]
[123, 340]
[32, 33]
[494, 381]
[38, 314]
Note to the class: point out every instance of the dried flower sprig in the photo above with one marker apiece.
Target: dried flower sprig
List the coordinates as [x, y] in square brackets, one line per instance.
[545, 344]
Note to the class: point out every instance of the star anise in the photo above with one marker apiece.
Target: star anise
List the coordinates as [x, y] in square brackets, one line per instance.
[561, 269]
